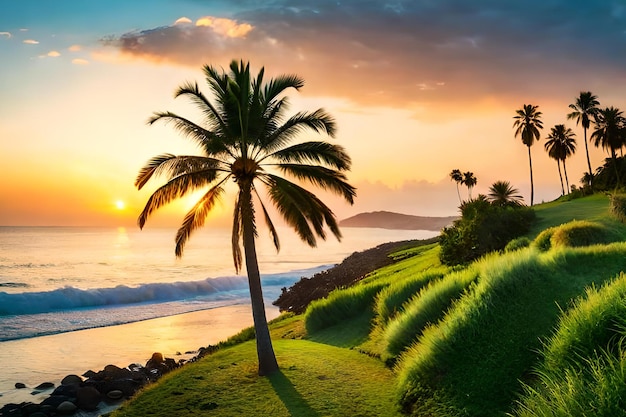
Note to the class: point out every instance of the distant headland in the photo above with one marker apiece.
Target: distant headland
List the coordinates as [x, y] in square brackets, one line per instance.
[397, 221]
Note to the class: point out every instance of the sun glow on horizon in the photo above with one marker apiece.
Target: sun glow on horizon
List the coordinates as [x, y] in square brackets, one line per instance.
[120, 205]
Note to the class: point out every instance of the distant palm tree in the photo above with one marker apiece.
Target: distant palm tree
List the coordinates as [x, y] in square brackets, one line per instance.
[502, 194]
[528, 123]
[610, 132]
[457, 177]
[585, 107]
[245, 138]
[470, 181]
[561, 144]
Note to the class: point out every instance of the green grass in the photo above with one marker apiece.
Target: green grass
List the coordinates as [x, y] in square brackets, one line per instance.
[473, 341]
[314, 380]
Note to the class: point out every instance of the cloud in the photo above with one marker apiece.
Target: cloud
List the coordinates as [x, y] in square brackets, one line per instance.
[415, 54]
[74, 48]
[30, 41]
[225, 27]
[182, 21]
[6, 34]
[80, 61]
[54, 54]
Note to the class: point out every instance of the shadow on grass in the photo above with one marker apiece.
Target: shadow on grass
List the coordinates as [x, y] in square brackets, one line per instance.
[290, 397]
[349, 333]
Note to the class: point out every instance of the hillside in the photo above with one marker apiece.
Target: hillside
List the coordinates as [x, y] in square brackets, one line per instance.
[397, 221]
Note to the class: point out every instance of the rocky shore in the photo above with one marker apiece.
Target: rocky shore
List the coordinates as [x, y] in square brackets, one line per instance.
[351, 270]
[96, 392]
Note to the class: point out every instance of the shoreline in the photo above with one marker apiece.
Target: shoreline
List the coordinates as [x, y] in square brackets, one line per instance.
[50, 358]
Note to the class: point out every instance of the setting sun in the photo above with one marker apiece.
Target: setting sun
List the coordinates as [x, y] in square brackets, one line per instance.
[119, 204]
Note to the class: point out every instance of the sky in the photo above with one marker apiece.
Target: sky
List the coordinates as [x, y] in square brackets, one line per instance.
[418, 88]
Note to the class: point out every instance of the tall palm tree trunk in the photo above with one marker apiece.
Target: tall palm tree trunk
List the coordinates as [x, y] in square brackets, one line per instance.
[566, 180]
[264, 348]
[588, 160]
[458, 193]
[532, 185]
[558, 164]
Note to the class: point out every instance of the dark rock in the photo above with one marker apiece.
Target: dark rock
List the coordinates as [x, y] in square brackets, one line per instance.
[115, 394]
[71, 380]
[90, 374]
[55, 400]
[66, 390]
[66, 407]
[38, 414]
[88, 398]
[11, 410]
[20, 385]
[155, 360]
[44, 386]
[29, 408]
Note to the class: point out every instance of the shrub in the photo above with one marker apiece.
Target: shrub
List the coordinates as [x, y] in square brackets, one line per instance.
[517, 244]
[482, 228]
[580, 233]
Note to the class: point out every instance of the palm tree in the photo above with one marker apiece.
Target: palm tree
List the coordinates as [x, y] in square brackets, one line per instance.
[585, 107]
[502, 194]
[245, 140]
[470, 181]
[561, 144]
[528, 122]
[457, 177]
[610, 132]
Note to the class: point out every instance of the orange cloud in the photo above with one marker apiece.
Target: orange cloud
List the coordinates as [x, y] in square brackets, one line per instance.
[182, 21]
[30, 41]
[74, 48]
[225, 27]
[80, 61]
[54, 54]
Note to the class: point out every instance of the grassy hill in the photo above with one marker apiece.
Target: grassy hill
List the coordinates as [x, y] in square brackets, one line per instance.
[533, 332]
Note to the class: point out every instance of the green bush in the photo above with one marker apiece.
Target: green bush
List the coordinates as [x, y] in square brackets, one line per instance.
[517, 244]
[543, 241]
[581, 233]
[482, 228]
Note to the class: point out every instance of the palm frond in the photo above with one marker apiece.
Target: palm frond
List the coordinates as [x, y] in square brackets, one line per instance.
[325, 178]
[269, 223]
[301, 209]
[172, 166]
[212, 143]
[318, 121]
[196, 217]
[173, 189]
[236, 235]
[278, 85]
[212, 115]
[315, 152]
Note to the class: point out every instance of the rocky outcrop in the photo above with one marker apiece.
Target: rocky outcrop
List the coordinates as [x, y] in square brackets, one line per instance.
[110, 385]
[354, 268]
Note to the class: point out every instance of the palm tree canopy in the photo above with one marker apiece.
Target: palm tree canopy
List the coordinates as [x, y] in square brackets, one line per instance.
[246, 138]
[528, 123]
[610, 129]
[561, 142]
[584, 108]
[469, 179]
[456, 176]
[502, 194]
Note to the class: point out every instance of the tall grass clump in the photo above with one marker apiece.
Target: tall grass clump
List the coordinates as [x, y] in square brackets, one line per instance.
[574, 234]
[599, 391]
[517, 244]
[425, 308]
[342, 304]
[617, 207]
[472, 361]
[583, 371]
[594, 322]
[392, 299]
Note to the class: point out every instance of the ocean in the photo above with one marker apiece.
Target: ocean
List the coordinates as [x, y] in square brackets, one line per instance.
[74, 298]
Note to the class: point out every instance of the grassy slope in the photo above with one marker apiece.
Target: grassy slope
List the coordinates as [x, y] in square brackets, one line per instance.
[321, 375]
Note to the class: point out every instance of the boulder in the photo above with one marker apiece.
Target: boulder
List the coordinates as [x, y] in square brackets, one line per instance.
[88, 398]
[65, 390]
[44, 386]
[115, 394]
[20, 385]
[71, 380]
[66, 407]
[55, 400]
[115, 372]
